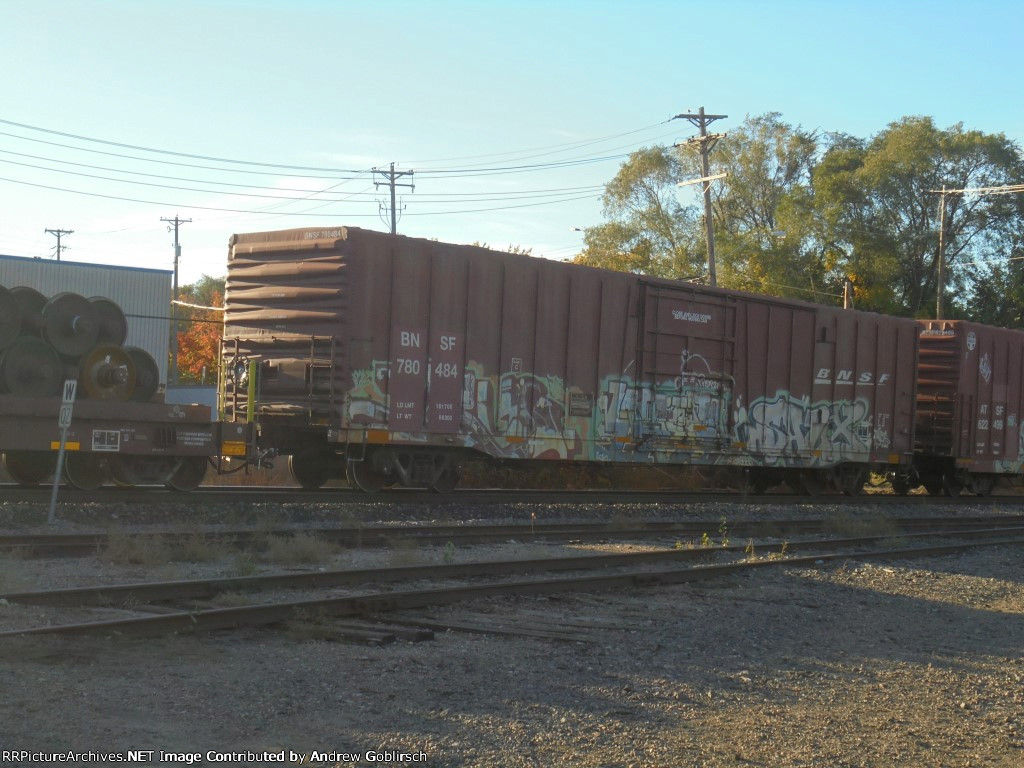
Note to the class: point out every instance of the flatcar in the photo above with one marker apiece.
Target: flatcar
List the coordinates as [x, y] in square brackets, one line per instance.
[392, 360]
[111, 419]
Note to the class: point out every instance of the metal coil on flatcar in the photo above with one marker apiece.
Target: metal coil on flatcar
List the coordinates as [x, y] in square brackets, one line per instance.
[108, 373]
[113, 327]
[10, 318]
[31, 368]
[30, 302]
[70, 324]
[147, 374]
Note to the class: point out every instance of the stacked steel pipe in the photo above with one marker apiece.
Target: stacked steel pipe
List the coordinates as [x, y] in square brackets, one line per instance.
[45, 341]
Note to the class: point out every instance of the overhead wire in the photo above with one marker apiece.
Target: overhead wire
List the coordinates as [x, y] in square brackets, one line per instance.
[555, 195]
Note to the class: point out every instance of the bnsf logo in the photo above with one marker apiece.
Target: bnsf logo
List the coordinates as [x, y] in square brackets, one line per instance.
[824, 376]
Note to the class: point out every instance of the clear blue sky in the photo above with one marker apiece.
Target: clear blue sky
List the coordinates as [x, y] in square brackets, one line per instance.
[434, 86]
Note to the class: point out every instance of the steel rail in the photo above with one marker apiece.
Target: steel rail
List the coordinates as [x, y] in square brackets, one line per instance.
[419, 497]
[378, 535]
[378, 602]
[384, 535]
[189, 589]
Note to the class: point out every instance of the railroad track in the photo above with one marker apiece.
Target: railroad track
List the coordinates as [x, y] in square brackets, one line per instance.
[286, 495]
[593, 572]
[80, 544]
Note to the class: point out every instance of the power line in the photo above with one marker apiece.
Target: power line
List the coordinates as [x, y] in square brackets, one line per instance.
[171, 152]
[471, 170]
[310, 193]
[568, 144]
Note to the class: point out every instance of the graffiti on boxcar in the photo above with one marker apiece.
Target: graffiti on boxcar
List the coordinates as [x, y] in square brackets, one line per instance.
[687, 408]
[784, 429]
[530, 409]
[525, 415]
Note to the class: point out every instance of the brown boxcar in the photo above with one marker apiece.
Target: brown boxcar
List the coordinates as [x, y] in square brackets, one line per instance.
[404, 354]
[969, 405]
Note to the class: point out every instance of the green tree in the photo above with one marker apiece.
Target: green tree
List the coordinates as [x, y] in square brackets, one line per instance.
[879, 215]
[764, 221]
[765, 233]
[648, 230]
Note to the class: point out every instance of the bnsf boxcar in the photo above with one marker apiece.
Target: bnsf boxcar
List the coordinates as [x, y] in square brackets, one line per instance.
[969, 405]
[393, 358]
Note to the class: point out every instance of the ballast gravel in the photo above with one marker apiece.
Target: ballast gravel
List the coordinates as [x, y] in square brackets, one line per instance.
[911, 663]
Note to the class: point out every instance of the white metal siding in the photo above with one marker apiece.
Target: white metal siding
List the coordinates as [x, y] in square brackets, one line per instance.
[144, 295]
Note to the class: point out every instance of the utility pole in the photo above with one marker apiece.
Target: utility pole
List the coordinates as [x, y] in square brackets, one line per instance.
[940, 259]
[705, 142]
[173, 376]
[940, 279]
[58, 233]
[392, 177]
[847, 293]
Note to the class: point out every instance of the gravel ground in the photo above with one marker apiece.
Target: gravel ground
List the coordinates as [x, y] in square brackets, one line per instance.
[910, 663]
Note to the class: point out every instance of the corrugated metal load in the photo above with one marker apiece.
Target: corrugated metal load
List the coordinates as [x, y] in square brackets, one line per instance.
[970, 395]
[383, 338]
[142, 294]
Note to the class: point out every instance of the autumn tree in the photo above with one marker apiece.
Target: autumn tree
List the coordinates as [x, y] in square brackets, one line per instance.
[200, 330]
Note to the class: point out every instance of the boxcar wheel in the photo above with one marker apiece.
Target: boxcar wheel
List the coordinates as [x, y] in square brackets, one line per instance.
[363, 476]
[951, 485]
[811, 483]
[85, 471]
[850, 479]
[983, 485]
[448, 479]
[29, 468]
[751, 482]
[310, 469]
[900, 484]
[189, 474]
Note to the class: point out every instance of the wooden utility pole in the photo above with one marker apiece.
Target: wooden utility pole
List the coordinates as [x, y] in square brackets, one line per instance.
[940, 279]
[940, 259]
[705, 142]
[172, 377]
[391, 177]
[58, 233]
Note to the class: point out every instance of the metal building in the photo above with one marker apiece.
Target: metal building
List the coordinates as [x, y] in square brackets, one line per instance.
[144, 295]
